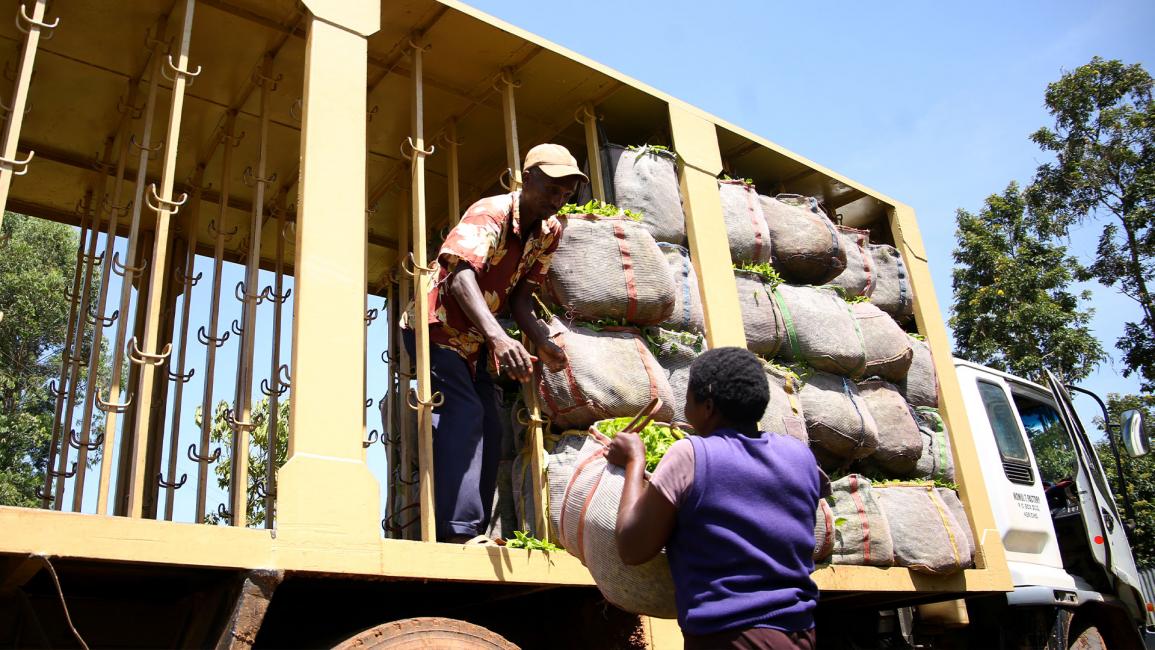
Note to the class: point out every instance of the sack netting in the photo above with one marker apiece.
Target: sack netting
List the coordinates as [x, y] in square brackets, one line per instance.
[806, 247]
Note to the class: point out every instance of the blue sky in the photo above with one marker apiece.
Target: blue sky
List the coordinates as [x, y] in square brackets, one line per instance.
[930, 103]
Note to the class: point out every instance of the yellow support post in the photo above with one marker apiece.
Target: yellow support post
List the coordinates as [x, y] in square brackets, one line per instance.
[506, 85]
[421, 272]
[696, 140]
[326, 494]
[9, 164]
[589, 119]
[454, 177]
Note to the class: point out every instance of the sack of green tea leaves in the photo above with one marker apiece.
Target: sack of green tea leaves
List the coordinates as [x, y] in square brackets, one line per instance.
[611, 268]
[687, 313]
[927, 537]
[611, 373]
[675, 351]
[899, 440]
[567, 451]
[921, 385]
[745, 224]
[805, 246]
[823, 531]
[838, 421]
[858, 277]
[784, 411]
[861, 532]
[892, 292]
[820, 330]
[761, 320]
[645, 180]
[936, 461]
[951, 499]
[886, 346]
[587, 525]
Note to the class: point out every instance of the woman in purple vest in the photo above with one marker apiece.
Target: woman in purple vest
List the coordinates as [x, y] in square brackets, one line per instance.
[733, 507]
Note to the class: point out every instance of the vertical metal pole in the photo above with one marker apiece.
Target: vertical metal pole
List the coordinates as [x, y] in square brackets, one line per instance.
[421, 304]
[509, 111]
[454, 176]
[275, 389]
[210, 339]
[72, 345]
[165, 207]
[128, 272]
[9, 165]
[391, 427]
[589, 119]
[404, 375]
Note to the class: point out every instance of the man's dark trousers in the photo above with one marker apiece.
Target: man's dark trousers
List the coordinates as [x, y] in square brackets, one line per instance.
[466, 441]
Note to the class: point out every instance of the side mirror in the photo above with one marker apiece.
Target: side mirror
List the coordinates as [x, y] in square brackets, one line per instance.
[1134, 433]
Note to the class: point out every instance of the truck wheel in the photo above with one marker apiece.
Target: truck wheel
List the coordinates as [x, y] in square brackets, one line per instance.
[1088, 639]
[427, 632]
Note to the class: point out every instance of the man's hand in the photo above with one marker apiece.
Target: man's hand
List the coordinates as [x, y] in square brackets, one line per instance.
[512, 358]
[626, 449]
[552, 355]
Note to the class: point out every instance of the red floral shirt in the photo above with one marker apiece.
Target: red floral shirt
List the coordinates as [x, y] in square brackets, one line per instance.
[488, 238]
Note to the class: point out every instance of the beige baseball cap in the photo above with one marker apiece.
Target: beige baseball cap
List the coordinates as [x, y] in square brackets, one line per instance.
[553, 159]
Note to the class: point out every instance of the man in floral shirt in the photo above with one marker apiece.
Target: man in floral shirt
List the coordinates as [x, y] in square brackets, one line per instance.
[490, 265]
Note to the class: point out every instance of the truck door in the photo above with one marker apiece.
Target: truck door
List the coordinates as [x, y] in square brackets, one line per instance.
[1108, 539]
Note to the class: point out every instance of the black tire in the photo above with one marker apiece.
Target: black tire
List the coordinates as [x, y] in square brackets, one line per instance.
[427, 633]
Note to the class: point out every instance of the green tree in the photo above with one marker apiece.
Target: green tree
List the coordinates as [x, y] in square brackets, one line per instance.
[1139, 474]
[222, 435]
[1012, 307]
[37, 265]
[1104, 172]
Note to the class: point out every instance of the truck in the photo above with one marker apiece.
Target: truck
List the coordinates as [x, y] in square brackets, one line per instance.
[321, 147]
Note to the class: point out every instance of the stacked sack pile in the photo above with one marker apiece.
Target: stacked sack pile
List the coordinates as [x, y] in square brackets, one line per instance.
[826, 307]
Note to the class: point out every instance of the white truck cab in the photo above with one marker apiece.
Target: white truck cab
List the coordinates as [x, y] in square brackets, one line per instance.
[1066, 544]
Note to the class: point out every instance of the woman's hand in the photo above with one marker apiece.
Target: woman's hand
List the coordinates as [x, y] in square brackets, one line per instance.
[626, 449]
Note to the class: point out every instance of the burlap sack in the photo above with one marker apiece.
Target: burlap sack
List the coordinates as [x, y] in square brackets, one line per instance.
[858, 277]
[675, 351]
[588, 521]
[921, 385]
[610, 267]
[503, 515]
[611, 373]
[687, 313]
[646, 181]
[823, 531]
[820, 330]
[805, 246]
[886, 346]
[745, 224]
[521, 492]
[784, 412]
[761, 320]
[936, 461]
[567, 451]
[926, 536]
[838, 420]
[899, 439]
[950, 498]
[863, 535]
[892, 291]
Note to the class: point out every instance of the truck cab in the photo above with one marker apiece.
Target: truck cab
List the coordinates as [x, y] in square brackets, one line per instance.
[1071, 563]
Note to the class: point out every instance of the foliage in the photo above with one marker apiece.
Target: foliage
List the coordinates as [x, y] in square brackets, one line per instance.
[1138, 472]
[37, 265]
[222, 435]
[748, 182]
[767, 272]
[522, 540]
[657, 437]
[599, 209]
[654, 150]
[1104, 171]
[1012, 307]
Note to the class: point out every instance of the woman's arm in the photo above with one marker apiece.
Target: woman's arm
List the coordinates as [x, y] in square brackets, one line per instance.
[645, 517]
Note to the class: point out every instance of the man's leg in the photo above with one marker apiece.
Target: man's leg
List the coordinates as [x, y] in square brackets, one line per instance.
[491, 451]
[458, 435]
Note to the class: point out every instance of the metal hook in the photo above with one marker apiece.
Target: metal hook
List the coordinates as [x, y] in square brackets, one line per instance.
[151, 42]
[184, 379]
[157, 204]
[285, 232]
[197, 458]
[272, 296]
[176, 485]
[234, 140]
[369, 402]
[189, 75]
[501, 179]
[125, 108]
[112, 407]
[31, 23]
[251, 179]
[236, 328]
[283, 375]
[268, 390]
[295, 109]
[223, 512]
[48, 498]
[123, 270]
[140, 357]
[8, 109]
[74, 440]
[105, 321]
[505, 77]
[414, 150]
[385, 358]
[371, 112]
[239, 425]
[57, 393]
[213, 229]
[371, 316]
[108, 206]
[582, 113]
[416, 403]
[17, 167]
[205, 339]
[411, 268]
[242, 295]
[141, 147]
[264, 492]
[368, 442]
[189, 282]
[259, 78]
[55, 474]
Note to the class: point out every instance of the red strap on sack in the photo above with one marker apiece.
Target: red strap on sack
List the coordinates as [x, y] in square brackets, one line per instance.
[860, 505]
[628, 271]
[565, 499]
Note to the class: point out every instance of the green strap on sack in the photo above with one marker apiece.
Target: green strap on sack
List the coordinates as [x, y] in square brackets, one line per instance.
[791, 333]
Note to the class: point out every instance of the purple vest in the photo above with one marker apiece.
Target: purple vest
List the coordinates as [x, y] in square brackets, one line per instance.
[741, 551]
